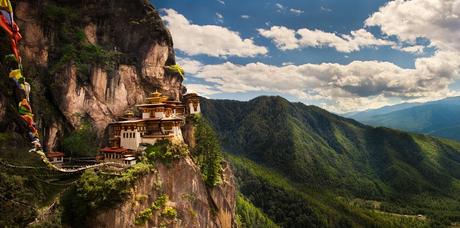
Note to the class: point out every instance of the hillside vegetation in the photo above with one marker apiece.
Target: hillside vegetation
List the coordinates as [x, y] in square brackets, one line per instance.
[25, 191]
[359, 167]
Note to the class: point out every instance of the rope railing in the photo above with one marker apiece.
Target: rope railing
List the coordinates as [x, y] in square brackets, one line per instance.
[80, 169]
[61, 169]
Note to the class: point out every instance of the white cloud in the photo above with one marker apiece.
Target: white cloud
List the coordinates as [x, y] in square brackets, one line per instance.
[287, 39]
[325, 9]
[279, 6]
[190, 66]
[354, 103]
[436, 20]
[336, 84]
[203, 90]
[210, 40]
[245, 16]
[284, 38]
[220, 18]
[221, 2]
[287, 63]
[360, 84]
[416, 49]
[296, 11]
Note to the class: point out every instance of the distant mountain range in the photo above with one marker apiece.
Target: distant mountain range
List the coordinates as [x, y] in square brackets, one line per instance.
[438, 118]
[303, 166]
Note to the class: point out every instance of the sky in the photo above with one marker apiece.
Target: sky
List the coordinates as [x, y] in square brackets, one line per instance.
[343, 56]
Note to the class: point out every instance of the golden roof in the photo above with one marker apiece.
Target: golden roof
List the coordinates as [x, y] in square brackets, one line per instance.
[129, 113]
[156, 98]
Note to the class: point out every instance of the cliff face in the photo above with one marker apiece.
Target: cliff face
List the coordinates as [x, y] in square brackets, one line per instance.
[92, 60]
[62, 95]
[196, 204]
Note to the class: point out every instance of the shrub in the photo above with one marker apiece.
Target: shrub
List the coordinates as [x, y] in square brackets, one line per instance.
[143, 217]
[96, 190]
[165, 151]
[160, 203]
[169, 212]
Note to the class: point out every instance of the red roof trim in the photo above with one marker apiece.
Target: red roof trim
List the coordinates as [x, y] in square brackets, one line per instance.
[55, 154]
[117, 150]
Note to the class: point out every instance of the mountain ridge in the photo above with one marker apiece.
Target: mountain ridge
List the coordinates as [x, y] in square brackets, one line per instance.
[311, 146]
[435, 118]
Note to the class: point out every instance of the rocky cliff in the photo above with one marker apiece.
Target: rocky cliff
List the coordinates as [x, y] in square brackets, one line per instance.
[89, 59]
[195, 204]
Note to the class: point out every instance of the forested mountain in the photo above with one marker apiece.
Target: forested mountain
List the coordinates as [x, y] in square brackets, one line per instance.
[379, 111]
[438, 118]
[325, 164]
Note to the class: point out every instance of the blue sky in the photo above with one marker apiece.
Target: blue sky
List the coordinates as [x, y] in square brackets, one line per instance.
[340, 55]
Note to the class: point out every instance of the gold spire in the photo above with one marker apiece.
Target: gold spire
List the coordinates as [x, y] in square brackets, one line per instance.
[156, 98]
[156, 93]
[129, 114]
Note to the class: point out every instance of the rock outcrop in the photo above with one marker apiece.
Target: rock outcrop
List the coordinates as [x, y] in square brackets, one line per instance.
[196, 204]
[60, 98]
[188, 131]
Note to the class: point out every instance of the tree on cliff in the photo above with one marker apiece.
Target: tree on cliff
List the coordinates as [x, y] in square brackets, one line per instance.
[207, 152]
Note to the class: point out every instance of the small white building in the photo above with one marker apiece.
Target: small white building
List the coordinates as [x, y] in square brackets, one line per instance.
[192, 102]
[119, 154]
[129, 160]
[55, 157]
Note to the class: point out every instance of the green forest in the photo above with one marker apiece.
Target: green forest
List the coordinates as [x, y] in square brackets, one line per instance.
[302, 165]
